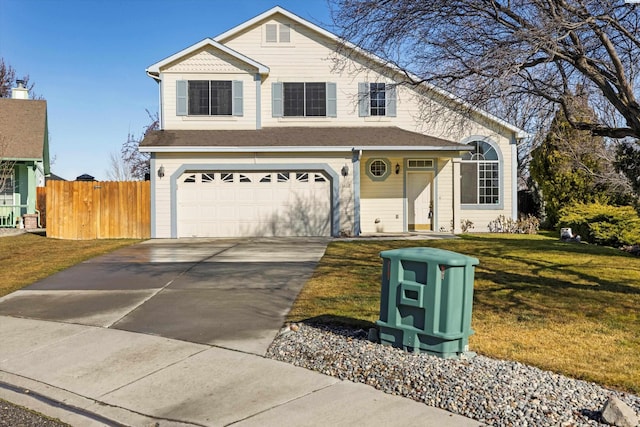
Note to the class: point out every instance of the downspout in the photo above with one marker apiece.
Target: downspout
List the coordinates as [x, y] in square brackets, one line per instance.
[514, 178]
[158, 80]
[258, 80]
[356, 156]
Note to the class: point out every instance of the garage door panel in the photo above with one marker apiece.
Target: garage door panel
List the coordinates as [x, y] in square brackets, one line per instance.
[231, 204]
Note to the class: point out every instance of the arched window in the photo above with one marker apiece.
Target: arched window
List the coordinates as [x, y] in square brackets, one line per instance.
[480, 172]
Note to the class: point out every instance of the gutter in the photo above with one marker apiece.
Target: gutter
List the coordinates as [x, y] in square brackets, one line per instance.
[312, 149]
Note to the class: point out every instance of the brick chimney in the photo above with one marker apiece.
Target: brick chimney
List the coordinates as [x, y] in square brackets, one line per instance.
[20, 92]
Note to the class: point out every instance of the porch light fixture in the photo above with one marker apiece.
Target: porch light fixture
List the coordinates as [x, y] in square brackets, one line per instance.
[161, 171]
[345, 170]
[397, 168]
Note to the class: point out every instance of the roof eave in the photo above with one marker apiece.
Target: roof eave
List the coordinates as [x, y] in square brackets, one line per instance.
[299, 149]
[154, 69]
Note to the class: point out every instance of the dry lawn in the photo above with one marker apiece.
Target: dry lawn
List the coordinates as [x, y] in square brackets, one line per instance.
[568, 308]
[27, 258]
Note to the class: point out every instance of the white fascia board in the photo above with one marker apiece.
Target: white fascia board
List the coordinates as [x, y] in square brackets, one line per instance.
[520, 134]
[209, 149]
[154, 69]
[295, 149]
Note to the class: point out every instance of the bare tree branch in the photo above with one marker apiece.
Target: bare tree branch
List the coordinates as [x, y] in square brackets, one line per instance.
[485, 50]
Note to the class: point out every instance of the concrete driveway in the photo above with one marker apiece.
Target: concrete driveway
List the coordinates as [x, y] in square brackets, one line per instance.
[228, 293]
[173, 334]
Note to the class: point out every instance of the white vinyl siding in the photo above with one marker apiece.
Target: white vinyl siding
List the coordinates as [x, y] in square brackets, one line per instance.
[381, 201]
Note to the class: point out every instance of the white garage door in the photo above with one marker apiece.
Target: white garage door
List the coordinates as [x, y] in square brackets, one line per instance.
[235, 204]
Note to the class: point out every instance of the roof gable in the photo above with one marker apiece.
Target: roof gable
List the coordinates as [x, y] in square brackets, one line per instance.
[208, 43]
[23, 129]
[271, 13]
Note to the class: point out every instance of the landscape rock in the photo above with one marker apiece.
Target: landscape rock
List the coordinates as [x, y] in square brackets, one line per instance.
[617, 413]
[498, 393]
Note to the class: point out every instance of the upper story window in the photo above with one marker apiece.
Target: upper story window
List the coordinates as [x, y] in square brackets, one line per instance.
[480, 175]
[376, 99]
[209, 98]
[312, 99]
[378, 104]
[277, 33]
[305, 99]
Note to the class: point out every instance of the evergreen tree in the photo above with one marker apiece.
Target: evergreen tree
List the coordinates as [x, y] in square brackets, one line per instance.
[566, 166]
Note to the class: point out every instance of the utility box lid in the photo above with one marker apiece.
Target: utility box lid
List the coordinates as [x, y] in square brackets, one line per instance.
[441, 256]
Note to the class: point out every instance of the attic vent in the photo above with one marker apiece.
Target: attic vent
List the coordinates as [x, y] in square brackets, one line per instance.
[275, 33]
[285, 33]
[271, 35]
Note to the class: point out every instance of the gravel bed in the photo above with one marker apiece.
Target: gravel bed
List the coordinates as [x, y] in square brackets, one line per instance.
[16, 416]
[495, 392]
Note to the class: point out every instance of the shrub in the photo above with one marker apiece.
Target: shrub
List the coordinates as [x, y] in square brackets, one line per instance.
[525, 225]
[602, 224]
[466, 225]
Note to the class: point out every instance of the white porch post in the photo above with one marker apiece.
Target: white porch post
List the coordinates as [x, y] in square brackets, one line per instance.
[456, 196]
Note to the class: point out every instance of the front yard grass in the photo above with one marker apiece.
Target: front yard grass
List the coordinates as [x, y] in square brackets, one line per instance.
[27, 258]
[569, 308]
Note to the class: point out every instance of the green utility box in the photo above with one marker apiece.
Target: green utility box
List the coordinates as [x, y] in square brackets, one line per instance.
[426, 299]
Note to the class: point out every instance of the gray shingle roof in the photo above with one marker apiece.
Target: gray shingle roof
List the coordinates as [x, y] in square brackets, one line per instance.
[357, 137]
[23, 125]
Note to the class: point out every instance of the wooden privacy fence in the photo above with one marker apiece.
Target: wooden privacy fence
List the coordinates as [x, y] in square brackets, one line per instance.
[98, 210]
[41, 205]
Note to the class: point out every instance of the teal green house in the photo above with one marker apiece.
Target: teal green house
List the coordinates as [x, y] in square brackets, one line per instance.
[24, 156]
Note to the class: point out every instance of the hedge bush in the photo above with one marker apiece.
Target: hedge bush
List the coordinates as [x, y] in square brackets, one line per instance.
[602, 224]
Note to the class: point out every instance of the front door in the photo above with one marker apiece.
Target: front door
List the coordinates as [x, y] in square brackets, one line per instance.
[419, 200]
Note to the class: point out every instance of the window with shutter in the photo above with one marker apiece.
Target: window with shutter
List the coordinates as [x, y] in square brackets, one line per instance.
[209, 98]
[304, 99]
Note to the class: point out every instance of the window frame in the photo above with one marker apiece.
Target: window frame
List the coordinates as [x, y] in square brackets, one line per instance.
[224, 93]
[377, 96]
[278, 101]
[370, 173]
[366, 100]
[483, 166]
[184, 99]
[8, 192]
[307, 102]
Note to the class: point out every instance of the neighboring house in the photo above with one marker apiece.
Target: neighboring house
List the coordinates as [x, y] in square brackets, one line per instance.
[85, 177]
[24, 154]
[262, 134]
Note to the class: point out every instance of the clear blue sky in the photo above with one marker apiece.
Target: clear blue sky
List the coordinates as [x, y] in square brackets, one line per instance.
[88, 60]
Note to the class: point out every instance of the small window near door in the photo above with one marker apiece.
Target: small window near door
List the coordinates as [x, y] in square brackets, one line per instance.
[420, 163]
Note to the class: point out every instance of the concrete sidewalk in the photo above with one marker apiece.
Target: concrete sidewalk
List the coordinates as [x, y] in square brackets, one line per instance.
[91, 376]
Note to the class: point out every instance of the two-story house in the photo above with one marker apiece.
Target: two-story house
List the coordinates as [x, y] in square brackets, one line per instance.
[268, 129]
